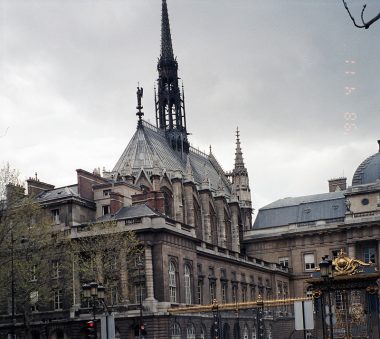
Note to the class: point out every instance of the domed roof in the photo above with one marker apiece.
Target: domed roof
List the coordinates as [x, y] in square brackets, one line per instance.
[368, 171]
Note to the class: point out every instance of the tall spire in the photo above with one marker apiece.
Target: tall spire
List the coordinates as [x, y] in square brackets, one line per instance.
[239, 161]
[166, 39]
[170, 108]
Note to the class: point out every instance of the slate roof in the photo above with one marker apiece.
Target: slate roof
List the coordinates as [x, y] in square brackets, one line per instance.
[128, 212]
[326, 206]
[149, 146]
[59, 193]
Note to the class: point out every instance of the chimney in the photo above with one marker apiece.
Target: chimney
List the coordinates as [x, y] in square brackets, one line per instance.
[85, 182]
[116, 202]
[337, 184]
[35, 186]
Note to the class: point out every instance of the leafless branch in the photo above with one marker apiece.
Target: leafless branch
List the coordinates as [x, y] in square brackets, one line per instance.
[365, 24]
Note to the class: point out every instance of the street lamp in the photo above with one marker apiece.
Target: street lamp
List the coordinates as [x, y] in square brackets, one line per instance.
[259, 317]
[327, 268]
[140, 266]
[94, 294]
[215, 314]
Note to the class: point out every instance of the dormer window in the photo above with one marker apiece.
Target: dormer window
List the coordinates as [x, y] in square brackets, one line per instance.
[106, 193]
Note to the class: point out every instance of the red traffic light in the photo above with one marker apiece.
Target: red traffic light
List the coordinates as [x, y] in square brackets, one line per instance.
[90, 324]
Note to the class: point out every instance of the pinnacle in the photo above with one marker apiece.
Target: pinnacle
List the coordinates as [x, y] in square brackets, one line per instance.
[166, 40]
[239, 161]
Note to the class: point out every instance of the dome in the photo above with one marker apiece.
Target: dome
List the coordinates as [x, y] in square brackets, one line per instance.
[368, 171]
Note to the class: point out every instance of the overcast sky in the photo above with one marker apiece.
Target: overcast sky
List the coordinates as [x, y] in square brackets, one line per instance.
[300, 81]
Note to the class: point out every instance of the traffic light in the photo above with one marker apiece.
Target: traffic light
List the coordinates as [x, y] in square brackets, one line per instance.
[90, 329]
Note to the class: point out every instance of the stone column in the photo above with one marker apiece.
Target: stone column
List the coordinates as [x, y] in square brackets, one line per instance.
[351, 250]
[150, 301]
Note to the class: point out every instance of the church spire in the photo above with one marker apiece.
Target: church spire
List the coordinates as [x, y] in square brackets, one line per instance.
[166, 39]
[239, 161]
[170, 108]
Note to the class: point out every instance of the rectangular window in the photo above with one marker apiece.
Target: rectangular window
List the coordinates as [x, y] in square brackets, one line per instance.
[253, 293]
[106, 193]
[200, 292]
[114, 294]
[234, 294]
[309, 261]
[244, 294]
[106, 209]
[224, 293]
[33, 300]
[284, 261]
[212, 291]
[335, 253]
[55, 216]
[58, 302]
[56, 269]
[33, 273]
[369, 255]
[140, 291]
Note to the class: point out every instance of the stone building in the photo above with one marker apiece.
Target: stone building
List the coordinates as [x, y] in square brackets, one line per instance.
[190, 216]
[296, 232]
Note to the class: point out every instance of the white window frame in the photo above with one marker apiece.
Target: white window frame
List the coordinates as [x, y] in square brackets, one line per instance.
[309, 261]
[175, 331]
[172, 283]
[283, 261]
[58, 301]
[369, 254]
[56, 269]
[55, 215]
[190, 332]
[187, 285]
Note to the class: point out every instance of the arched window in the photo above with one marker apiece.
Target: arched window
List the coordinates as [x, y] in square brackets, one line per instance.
[187, 283]
[168, 201]
[202, 334]
[172, 282]
[190, 332]
[245, 332]
[175, 331]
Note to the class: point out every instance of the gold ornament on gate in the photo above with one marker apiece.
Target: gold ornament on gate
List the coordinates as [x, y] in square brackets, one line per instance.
[345, 265]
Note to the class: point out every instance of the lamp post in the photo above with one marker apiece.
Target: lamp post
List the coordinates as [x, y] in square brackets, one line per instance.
[215, 314]
[94, 294]
[140, 266]
[327, 273]
[259, 317]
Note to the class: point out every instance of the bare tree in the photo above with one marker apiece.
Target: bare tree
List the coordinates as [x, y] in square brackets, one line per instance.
[105, 252]
[26, 246]
[364, 24]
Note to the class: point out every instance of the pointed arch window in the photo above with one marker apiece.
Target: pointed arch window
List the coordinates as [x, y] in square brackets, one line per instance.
[187, 283]
[190, 332]
[172, 282]
[168, 201]
[175, 331]
[245, 332]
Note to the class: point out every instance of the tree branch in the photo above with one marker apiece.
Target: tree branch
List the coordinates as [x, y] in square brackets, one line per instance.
[365, 24]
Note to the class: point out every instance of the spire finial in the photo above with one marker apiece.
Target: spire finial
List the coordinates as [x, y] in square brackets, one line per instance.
[139, 106]
[166, 39]
[239, 162]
